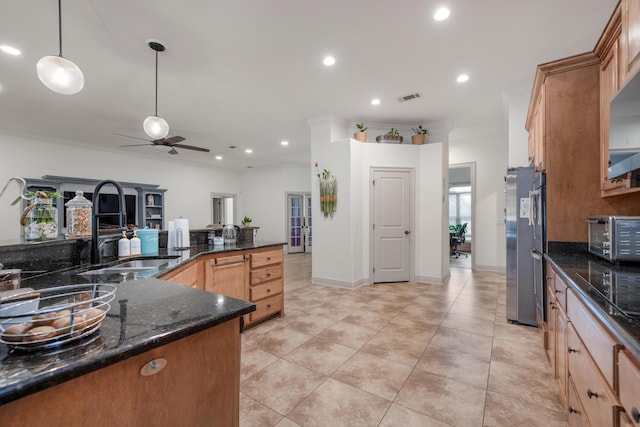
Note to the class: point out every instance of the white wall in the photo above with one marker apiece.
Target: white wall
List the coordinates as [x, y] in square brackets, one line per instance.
[518, 105]
[486, 144]
[263, 198]
[188, 186]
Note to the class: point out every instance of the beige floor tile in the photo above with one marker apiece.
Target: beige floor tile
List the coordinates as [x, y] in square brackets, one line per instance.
[464, 367]
[527, 385]
[282, 385]
[400, 416]
[370, 319]
[502, 409]
[373, 374]
[469, 324]
[444, 399]
[515, 353]
[308, 323]
[280, 341]
[406, 326]
[286, 422]
[461, 309]
[349, 335]
[519, 333]
[337, 404]
[420, 313]
[321, 355]
[463, 341]
[253, 360]
[255, 414]
[396, 348]
[335, 312]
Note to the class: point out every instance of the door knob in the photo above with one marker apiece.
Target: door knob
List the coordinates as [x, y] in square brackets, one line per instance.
[406, 232]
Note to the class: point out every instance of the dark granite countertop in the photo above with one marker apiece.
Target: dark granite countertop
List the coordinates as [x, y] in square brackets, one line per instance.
[146, 313]
[579, 269]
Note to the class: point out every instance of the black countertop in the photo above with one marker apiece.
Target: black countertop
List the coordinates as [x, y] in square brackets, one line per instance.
[146, 313]
[584, 272]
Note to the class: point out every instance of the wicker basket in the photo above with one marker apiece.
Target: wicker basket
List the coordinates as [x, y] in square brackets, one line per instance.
[64, 314]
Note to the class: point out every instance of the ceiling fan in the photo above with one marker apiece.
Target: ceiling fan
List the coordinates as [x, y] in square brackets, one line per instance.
[170, 143]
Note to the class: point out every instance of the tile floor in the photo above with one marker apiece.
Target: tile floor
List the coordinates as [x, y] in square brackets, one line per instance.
[401, 354]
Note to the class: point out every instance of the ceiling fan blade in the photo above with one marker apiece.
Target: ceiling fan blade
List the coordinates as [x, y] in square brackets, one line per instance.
[173, 151]
[173, 139]
[134, 137]
[191, 147]
[134, 145]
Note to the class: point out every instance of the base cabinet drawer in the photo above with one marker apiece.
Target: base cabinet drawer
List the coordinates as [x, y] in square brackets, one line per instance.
[590, 386]
[268, 273]
[261, 259]
[629, 377]
[600, 344]
[625, 421]
[577, 417]
[267, 307]
[266, 290]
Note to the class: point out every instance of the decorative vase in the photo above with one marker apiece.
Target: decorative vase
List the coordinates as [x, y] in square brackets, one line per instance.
[40, 220]
[360, 136]
[418, 139]
[389, 139]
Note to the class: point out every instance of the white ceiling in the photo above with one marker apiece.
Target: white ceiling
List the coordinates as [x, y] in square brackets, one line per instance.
[249, 73]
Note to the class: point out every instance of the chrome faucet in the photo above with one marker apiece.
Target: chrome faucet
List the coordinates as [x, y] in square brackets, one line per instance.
[96, 256]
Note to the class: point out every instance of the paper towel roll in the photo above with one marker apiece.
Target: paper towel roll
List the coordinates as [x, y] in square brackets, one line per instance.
[182, 233]
[171, 235]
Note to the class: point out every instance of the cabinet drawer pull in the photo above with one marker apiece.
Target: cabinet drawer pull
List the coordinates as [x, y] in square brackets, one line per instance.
[268, 258]
[572, 350]
[268, 290]
[268, 274]
[635, 414]
[591, 393]
[268, 305]
[572, 410]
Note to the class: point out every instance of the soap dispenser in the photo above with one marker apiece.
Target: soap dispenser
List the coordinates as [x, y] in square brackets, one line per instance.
[124, 246]
[135, 245]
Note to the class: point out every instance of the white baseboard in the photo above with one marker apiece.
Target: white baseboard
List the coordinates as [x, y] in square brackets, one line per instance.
[338, 283]
[433, 280]
[496, 268]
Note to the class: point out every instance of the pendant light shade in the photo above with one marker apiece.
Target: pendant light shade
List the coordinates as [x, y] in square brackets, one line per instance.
[58, 73]
[155, 126]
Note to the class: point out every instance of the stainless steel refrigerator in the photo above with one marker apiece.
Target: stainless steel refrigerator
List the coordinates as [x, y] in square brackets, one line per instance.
[521, 301]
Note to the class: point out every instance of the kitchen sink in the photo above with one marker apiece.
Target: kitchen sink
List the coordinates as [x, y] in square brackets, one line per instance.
[146, 267]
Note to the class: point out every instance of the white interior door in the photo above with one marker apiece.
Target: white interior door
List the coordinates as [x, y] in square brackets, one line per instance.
[391, 225]
[308, 236]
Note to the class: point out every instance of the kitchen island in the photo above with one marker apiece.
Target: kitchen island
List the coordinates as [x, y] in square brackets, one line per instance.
[191, 338]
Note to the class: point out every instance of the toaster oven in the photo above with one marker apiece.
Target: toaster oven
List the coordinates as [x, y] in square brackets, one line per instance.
[615, 238]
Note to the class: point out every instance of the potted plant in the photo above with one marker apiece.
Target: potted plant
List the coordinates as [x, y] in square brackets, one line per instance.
[420, 135]
[246, 221]
[391, 137]
[361, 135]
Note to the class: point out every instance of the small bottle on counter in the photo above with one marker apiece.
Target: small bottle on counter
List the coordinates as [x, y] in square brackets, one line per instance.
[124, 246]
[135, 245]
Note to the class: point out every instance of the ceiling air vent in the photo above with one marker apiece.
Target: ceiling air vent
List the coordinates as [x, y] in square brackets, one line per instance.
[409, 97]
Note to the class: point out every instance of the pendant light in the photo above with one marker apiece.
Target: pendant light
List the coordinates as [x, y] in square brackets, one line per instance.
[58, 73]
[155, 126]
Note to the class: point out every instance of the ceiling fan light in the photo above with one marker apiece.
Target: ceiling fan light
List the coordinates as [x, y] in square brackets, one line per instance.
[156, 127]
[60, 75]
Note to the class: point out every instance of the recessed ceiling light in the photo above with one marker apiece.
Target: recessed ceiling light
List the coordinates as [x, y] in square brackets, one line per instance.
[441, 14]
[375, 101]
[10, 50]
[462, 78]
[329, 60]
[218, 157]
[248, 151]
[284, 142]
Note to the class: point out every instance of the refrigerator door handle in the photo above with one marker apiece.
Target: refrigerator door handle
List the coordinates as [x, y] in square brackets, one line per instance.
[536, 255]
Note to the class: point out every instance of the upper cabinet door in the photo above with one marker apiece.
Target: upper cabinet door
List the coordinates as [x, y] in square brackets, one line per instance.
[630, 37]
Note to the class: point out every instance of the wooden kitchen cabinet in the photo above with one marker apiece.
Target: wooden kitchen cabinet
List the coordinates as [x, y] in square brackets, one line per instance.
[198, 386]
[536, 134]
[557, 331]
[189, 274]
[577, 417]
[226, 274]
[267, 284]
[630, 38]
[629, 374]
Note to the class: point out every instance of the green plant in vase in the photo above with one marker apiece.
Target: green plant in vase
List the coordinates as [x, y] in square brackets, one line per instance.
[39, 219]
[246, 221]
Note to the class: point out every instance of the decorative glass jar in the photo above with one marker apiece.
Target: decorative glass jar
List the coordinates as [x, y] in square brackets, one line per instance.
[40, 220]
[78, 216]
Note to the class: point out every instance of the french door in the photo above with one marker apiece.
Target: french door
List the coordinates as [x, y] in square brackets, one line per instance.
[299, 226]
